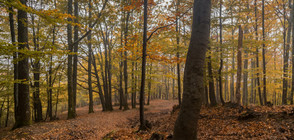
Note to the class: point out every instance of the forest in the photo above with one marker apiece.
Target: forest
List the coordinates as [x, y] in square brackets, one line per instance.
[147, 69]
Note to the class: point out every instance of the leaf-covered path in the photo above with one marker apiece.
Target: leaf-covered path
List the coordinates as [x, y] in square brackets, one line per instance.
[85, 126]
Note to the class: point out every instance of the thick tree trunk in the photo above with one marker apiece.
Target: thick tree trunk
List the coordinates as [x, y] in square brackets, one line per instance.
[239, 63]
[186, 124]
[23, 110]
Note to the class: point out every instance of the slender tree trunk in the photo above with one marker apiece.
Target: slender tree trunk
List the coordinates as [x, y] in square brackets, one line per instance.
[186, 123]
[239, 70]
[257, 54]
[15, 62]
[126, 61]
[133, 85]
[211, 81]
[70, 114]
[253, 81]
[57, 96]
[144, 52]
[178, 55]
[221, 55]
[149, 84]
[23, 110]
[109, 76]
[263, 56]
[292, 90]
[173, 85]
[245, 80]
[1, 109]
[7, 113]
[100, 92]
[232, 86]
[91, 108]
[75, 58]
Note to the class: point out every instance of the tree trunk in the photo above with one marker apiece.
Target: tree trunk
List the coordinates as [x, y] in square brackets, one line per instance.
[91, 108]
[7, 113]
[23, 110]
[211, 81]
[232, 87]
[100, 92]
[263, 56]
[186, 124]
[144, 52]
[257, 54]
[75, 58]
[178, 55]
[1, 109]
[126, 61]
[149, 84]
[70, 114]
[15, 63]
[292, 90]
[221, 55]
[245, 80]
[239, 63]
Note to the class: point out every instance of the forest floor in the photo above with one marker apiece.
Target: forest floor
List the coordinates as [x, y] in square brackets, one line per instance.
[222, 122]
[85, 126]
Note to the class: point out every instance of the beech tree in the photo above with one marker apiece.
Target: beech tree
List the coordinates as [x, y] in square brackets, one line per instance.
[186, 123]
[23, 113]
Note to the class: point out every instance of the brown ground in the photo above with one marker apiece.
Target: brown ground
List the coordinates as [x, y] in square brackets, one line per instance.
[85, 126]
[223, 123]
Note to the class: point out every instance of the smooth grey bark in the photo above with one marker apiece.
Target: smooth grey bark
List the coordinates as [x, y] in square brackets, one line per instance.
[186, 123]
